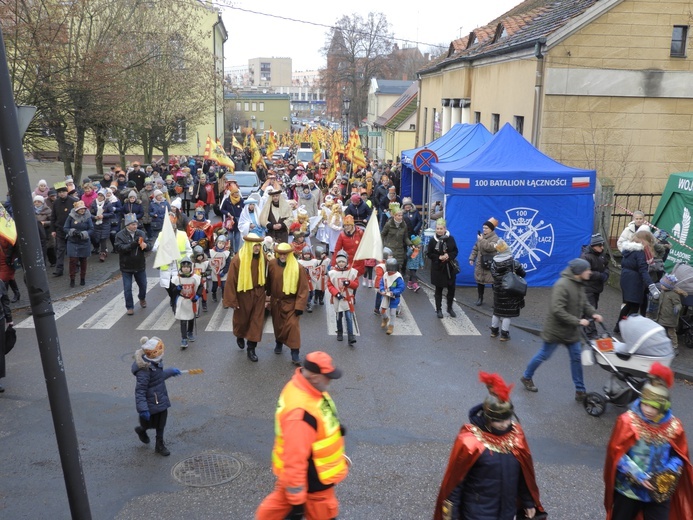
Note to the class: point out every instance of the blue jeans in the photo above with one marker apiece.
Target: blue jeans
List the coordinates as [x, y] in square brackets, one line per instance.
[235, 239]
[547, 350]
[349, 320]
[141, 279]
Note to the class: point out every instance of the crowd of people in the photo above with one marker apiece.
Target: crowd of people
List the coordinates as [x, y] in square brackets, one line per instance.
[291, 245]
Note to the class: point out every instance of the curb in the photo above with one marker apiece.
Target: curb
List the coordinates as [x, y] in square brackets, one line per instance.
[681, 373]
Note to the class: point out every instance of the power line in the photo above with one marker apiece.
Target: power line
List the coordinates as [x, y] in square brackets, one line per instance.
[317, 24]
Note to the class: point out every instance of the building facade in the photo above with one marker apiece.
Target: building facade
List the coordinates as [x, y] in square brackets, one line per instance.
[605, 85]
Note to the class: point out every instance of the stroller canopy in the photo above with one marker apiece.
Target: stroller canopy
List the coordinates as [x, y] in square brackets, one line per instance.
[644, 337]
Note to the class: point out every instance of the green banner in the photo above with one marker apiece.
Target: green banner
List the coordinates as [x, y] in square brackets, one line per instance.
[363, 131]
[675, 219]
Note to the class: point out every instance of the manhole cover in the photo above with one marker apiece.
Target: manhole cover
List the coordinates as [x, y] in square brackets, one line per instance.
[208, 469]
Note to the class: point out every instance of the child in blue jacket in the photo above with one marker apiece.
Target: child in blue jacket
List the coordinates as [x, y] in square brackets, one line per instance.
[391, 288]
[151, 396]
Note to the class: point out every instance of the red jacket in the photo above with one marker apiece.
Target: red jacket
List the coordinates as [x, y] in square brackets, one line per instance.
[350, 244]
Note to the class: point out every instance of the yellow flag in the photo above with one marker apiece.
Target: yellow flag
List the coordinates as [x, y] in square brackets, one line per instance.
[235, 143]
[315, 145]
[256, 159]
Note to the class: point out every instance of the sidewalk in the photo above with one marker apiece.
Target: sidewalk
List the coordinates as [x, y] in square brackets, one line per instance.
[536, 307]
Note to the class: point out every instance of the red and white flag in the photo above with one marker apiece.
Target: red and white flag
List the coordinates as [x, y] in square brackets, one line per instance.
[460, 182]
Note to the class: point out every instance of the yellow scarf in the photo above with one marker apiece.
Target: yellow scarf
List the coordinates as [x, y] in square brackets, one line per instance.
[290, 275]
[245, 277]
[235, 198]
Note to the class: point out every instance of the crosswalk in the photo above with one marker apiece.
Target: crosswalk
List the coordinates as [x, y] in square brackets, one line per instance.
[159, 317]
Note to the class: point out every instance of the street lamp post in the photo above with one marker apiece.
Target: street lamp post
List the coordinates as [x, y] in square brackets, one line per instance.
[346, 104]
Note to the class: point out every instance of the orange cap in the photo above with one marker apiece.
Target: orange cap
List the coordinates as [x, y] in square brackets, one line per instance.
[321, 363]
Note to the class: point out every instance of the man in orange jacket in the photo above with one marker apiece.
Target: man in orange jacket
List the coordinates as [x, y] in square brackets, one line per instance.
[308, 456]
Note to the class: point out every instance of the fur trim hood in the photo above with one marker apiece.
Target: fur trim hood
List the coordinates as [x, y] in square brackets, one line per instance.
[632, 246]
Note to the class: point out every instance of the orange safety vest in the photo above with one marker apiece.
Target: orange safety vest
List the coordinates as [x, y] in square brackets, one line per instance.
[328, 448]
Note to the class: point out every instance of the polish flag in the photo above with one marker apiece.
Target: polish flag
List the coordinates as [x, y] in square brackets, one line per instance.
[460, 182]
[581, 182]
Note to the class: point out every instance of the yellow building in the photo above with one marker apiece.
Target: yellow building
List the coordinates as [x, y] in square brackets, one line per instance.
[397, 125]
[257, 110]
[600, 84]
[189, 140]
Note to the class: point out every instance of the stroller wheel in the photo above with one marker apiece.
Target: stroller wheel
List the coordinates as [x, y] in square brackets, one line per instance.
[595, 404]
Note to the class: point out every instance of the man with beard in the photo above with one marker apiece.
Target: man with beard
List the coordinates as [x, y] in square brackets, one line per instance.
[61, 209]
[245, 293]
[287, 286]
[249, 221]
[276, 216]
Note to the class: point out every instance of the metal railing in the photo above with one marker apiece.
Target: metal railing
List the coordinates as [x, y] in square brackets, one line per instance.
[623, 206]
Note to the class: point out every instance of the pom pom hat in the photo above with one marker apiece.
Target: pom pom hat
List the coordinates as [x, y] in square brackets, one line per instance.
[656, 392]
[153, 348]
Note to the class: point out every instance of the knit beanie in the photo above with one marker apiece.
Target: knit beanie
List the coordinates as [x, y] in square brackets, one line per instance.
[578, 265]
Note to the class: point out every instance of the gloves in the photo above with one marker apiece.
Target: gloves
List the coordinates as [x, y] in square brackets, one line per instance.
[176, 372]
[296, 512]
[195, 298]
[145, 415]
[654, 292]
[346, 283]
[179, 287]
[340, 296]
[299, 312]
[72, 232]
[84, 235]
[342, 430]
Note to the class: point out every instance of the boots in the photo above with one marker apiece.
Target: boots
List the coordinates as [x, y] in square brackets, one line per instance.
[241, 343]
[384, 321]
[161, 448]
[415, 286]
[204, 305]
[480, 292]
[494, 332]
[390, 329]
[505, 335]
[370, 282]
[142, 434]
[410, 285]
[352, 339]
[82, 281]
[251, 351]
[15, 298]
[295, 357]
[452, 312]
[277, 347]
[309, 307]
[439, 313]
[340, 335]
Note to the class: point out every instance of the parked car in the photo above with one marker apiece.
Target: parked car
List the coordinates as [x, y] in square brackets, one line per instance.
[279, 153]
[248, 182]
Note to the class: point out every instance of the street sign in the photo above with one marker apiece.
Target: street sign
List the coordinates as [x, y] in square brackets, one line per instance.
[423, 159]
[363, 131]
[375, 134]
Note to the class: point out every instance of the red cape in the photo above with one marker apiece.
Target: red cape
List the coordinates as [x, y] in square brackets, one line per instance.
[624, 436]
[465, 452]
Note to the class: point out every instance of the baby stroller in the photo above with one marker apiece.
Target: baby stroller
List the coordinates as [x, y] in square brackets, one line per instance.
[684, 274]
[628, 362]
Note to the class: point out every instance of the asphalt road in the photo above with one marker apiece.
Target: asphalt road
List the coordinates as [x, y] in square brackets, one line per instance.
[402, 398]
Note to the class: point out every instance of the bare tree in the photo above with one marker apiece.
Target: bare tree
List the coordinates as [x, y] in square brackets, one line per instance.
[357, 50]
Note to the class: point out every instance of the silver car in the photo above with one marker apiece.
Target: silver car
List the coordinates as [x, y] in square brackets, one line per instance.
[248, 182]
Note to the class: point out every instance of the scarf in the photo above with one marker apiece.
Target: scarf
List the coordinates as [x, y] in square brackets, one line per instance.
[235, 198]
[245, 276]
[290, 275]
[649, 257]
[99, 209]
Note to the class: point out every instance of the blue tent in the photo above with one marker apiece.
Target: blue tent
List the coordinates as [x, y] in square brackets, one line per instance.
[457, 143]
[544, 209]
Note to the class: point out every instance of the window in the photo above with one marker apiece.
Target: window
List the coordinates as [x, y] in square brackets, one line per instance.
[678, 41]
[477, 117]
[495, 123]
[246, 106]
[262, 125]
[254, 106]
[180, 134]
[238, 106]
[519, 124]
[262, 106]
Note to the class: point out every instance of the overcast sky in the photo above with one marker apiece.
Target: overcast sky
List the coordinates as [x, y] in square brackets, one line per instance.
[296, 29]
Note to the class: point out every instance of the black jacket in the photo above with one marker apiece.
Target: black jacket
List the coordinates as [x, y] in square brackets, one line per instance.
[505, 305]
[442, 274]
[61, 210]
[599, 265]
[130, 253]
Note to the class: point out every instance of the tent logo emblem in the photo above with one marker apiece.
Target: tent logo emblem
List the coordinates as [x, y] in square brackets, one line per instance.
[528, 241]
[680, 231]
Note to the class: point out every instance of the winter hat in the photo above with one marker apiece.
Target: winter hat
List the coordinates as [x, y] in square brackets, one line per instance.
[597, 240]
[132, 193]
[645, 227]
[157, 193]
[406, 201]
[491, 223]
[79, 205]
[343, 254]
[578, 265]
[106, 193]
[176, 203]
[355, 199]
[131, 184]
[39, 198]
[415, 240]
[130, 218]
[669, 281]
[52, 192]
[153, 348]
